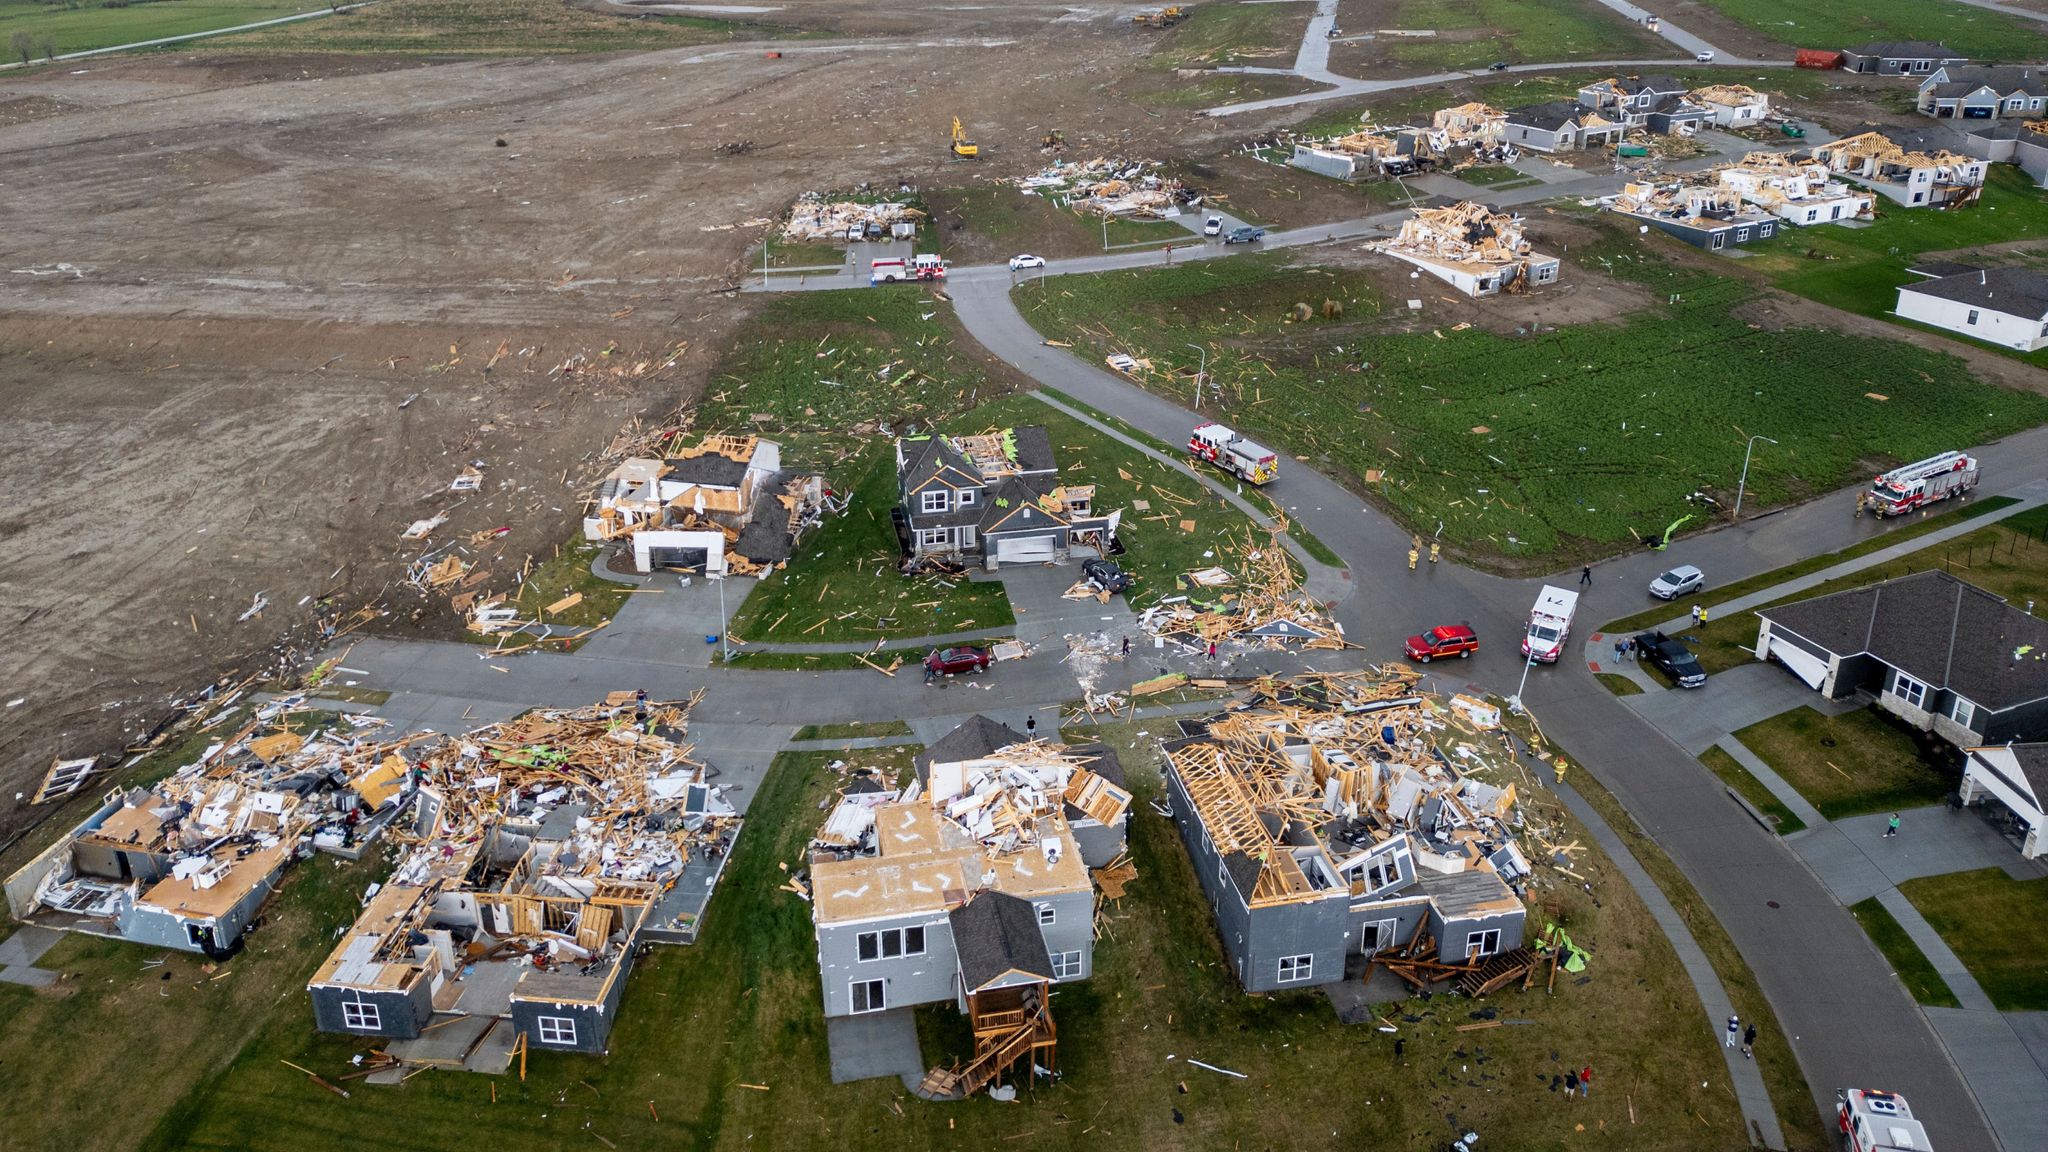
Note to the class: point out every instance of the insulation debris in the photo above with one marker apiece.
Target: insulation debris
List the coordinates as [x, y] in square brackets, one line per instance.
[1112, 187]
[813, 218]
[1472, 247]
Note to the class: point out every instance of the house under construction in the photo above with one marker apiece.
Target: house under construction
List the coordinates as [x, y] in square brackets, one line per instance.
[1890, 162]
[722, 505]
[969, 886]
[1471, 247]
[1333, 818]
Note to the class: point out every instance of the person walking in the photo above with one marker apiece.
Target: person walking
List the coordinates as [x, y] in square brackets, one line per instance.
[1127, 646]
[1619, 648]
[1571, 1084]
[1212, 649]
[1628, 648]
[1031, 727]
[1699, 615]
[1891, 826]
[1413, 556]
[1703, 616]
[1734, 1030]
[1586, 1081]
[1748, 1041]
[1585, 575]
[1435, 549]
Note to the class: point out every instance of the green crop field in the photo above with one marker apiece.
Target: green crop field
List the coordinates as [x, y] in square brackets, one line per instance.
[1575, 441]
[1475, 33]
[85, 26]
[1968, 31]
[490, 28]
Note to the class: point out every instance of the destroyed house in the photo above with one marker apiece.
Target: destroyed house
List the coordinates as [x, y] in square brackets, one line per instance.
[1471, 247]
[723, 500]
[1560, 126]
[188, 862]
[1097, 807]
[2004, 306]
[1326, 826]
[1703, 216]
[1732, 105]
[542, 853]
[1908, 166]
[2022, 143]
[1797, 192]
[1983, 92]
[1943, 655]
[967, 887]
[993, 499]
[1899, 57]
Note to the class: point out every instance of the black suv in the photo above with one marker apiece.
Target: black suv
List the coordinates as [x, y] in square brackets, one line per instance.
[1671, 657]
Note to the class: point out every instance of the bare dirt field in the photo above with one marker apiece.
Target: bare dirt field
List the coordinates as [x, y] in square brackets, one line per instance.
[226, 273]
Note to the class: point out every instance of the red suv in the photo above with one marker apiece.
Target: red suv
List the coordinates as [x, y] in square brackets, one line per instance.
[952, 661]
[1447, 640]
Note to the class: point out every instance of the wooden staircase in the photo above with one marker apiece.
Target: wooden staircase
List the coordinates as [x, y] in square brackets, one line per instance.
[1002, 1037]
[1497, 972]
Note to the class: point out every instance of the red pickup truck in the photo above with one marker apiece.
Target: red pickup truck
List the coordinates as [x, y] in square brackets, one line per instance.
[1445, 640]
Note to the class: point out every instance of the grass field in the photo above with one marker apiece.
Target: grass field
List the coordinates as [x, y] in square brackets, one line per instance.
[1734, 775]
[565, 574]
[1229, 34]
[1860, 269]
[489, 28]
[1846, 765]
[853, 731]
[1973, 32]
[1492, 175]
[2009, 558]
[90, 25]
[1475, 33]
[1908, 963]
[1997, 926]
[1396, 107]
[1572, 443]
[1619, 685]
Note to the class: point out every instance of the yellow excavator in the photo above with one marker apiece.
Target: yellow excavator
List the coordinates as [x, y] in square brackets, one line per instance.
[964, 148]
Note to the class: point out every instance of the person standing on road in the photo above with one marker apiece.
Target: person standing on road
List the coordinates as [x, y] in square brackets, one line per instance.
[1620, 646]
[1748, 1041]
[1585, 575]
[1031, 727]
[1212, 649]
[1435, 550]
[1891, 826]
[1127, 646]
[1734, 1029]
[1413, 556]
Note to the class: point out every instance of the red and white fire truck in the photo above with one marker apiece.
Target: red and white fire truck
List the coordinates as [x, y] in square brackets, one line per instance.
[890, 270]
[1233, 453]
[1901, 490]
[1878, 1122]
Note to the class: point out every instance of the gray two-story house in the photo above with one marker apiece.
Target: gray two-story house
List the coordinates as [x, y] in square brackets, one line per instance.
[1657, 103]
[1899, 57]
[993, 499]
[1944, 655]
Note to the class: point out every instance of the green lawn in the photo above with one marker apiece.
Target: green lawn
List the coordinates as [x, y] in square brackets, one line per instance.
[85, 26]
[1908, 963]
[1997, 926]
[852, 731]
[1968, 31]
[1475, 33]
[1895, 532]
[1265, 35]
[1619, 685]
[1577, 442]
[1733, 774]
[2009, 558]
[1487, 175]
[1860, 269]
[1847, 765]
[565, 574]
[490, 28]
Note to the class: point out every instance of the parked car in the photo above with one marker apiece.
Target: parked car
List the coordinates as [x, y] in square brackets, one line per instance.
[1213, 226]
[854, 234]
[1497, 66]
[1106, 576]
[953, 661]
[1703, 57]
[1245, 235]
[1444, 640]
[1018, 263]
[1672, 658]
[1678, 582]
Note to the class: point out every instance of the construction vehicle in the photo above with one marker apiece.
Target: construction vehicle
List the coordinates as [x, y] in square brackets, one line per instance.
[1233, 453]
[1878, 1122]
[1918, 484]
[1550, 624]
[890, 270]
[1160, 17]
[1055, 141]
[963, 148]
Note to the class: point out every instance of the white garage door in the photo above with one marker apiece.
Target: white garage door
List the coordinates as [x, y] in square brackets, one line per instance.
[1803, 664]
[1024, 550]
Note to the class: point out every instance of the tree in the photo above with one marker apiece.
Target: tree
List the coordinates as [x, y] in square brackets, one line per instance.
[47, 45]
[24, 46]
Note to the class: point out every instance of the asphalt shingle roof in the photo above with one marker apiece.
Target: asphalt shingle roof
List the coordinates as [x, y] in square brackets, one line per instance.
[1906, 50]
[996, 933]
[2013, 291]
[977, 736]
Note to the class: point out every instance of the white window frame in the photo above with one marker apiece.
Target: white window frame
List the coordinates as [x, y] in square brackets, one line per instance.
[361, 1016]
[1384, 934]
[1483, 942]
[964, 497]
[967, 536]
[1909, 690]
[1971, 318]
[926, 504]
[1066, 965]
[1047, 915]
[1296, 969]
[933, 537]
[877, 995]
[558, 1030]
[1962, 711]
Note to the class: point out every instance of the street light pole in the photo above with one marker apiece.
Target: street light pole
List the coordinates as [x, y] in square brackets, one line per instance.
[724, 641]
[764, 259]
[1742, 484]
[1105, 233]
[1201, 373]
[1515, 701]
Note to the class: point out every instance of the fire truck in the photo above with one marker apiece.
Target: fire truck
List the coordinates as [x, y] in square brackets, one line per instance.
[1878, 1122]
[891, 270]
[1233, 453]
[1901, 490]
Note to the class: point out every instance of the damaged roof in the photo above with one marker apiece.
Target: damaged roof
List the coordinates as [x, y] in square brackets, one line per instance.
[977, 736]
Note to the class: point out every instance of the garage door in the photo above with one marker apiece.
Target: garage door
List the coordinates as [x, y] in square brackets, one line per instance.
[1024, 550]
[1803, 664]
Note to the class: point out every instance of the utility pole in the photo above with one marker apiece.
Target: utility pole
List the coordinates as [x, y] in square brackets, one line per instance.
[1201, 373]
[1742, 484]
[1105, 233]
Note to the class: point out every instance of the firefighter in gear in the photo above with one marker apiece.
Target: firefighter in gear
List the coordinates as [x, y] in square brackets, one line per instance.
[1434, 549]
[1413, 556]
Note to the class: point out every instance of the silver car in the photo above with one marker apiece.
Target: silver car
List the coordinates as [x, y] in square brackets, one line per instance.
[1677, 582]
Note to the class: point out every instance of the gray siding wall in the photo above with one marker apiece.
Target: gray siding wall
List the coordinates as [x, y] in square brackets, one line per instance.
[1099, 843]
[400, 1014]
[593, 1021]
[924, 979]
[1452, 932]
[1318, 928]
[1072, 928]
[1538, 138]
[1854, 673]
[1405, 917]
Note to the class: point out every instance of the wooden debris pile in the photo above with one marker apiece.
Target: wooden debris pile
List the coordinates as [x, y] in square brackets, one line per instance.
[1258, 602]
